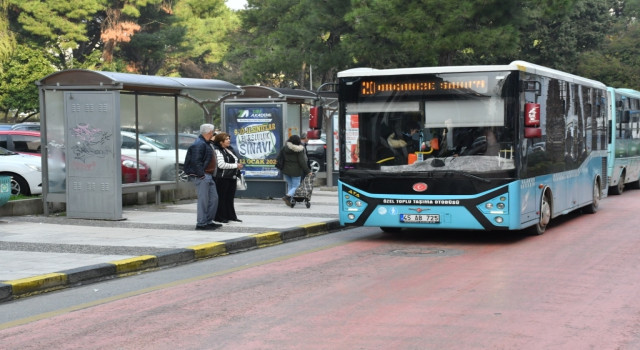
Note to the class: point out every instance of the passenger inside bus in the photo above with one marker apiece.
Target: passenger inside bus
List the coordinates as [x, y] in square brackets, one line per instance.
[399, 144]
[409, 140]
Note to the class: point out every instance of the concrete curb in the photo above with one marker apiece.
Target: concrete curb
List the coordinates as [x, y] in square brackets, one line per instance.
[24, 287]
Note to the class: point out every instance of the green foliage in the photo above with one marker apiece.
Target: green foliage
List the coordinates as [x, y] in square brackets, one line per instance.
[400, 33]
[18, 92]
[207, 24]
[286, 37]
[7, 39]
[617, 64]
[557, 37]
[148, 49]
[62, 23]
[279, 42]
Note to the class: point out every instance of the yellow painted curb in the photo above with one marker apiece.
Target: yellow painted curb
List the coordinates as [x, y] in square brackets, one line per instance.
[267, 238]
[315, 228]
[137, 263]
[208, 250]
[37, 283]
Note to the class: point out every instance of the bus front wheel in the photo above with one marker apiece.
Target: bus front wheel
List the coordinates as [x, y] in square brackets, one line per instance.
[545, 216]
[593, 207]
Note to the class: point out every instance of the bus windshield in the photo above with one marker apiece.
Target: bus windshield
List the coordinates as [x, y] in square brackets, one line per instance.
[436, 122]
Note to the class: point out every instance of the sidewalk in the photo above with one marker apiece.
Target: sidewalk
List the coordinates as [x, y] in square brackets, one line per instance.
[39, 253]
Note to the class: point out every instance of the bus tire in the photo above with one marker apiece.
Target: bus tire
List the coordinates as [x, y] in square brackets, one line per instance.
[595, 203]
[619, 188]
[545, 215]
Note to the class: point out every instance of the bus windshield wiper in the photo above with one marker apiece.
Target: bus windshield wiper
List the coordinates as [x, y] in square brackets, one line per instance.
[430, 174]
[466, 174]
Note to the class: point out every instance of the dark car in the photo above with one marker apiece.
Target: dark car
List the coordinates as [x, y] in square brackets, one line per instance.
[317, 152]
[28, 142]
[31, 126]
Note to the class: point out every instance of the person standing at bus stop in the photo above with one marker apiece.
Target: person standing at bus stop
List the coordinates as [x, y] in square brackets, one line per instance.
[228, 169]
[200, 166]
[295, 164]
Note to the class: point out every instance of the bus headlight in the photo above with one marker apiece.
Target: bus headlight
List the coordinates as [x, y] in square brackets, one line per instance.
[498, 219]
[351, 216]
[498, 205]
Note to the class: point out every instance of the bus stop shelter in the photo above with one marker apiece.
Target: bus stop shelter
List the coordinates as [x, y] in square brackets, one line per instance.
[83, 114]
[260, 120]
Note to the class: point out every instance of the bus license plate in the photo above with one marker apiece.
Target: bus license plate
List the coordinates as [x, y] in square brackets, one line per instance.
[420, 218]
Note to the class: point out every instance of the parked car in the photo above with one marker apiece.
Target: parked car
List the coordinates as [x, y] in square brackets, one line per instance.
[130, 168]
[317, 152]
[160, 157]
[184, 140]
[28, 142]
[25, 171]
[21, 141]
[33, 126]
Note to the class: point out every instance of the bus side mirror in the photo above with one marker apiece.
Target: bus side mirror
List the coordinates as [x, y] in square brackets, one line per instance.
[313, 134]
[316, 114]
[532, 133]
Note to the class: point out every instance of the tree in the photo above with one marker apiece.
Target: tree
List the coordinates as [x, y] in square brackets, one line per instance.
[7, 39]
[56, 26]
[18, 92]
[286, 37]
[556, 35]
[207, 24]
[616, 62]
[401, 33]
[148, 48]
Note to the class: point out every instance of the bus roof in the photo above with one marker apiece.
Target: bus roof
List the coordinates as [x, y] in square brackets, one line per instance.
[627, 92]
[515, 65]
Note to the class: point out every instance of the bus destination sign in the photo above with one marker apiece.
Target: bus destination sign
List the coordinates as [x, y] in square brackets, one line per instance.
[388, 87]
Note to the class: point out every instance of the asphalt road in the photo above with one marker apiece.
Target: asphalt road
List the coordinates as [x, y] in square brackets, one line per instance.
[575, 287]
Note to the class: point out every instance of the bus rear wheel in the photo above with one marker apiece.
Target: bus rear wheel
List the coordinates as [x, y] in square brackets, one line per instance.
[619, 188]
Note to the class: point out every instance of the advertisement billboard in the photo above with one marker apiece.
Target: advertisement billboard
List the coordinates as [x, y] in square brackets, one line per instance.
[256, 134]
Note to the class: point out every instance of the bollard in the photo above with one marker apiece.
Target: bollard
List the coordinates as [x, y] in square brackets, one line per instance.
[5, 189]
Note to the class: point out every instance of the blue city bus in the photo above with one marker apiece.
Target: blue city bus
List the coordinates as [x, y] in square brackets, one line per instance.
[500, 147]
[624, 142]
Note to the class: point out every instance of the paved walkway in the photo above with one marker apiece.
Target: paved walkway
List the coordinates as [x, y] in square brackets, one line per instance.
[39, 253]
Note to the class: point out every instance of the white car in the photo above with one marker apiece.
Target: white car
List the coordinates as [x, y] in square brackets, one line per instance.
[160, 157]
[25, 171]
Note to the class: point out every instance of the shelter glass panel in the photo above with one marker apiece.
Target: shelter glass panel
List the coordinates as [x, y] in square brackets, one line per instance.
[55, 138]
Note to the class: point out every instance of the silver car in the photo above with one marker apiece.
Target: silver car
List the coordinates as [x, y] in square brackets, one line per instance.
[160, 157]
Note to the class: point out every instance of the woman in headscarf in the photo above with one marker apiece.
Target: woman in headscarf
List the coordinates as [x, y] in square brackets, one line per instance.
[295, 164]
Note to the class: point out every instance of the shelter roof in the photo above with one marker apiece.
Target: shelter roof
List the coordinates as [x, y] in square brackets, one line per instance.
[88, 79]
[256, 92]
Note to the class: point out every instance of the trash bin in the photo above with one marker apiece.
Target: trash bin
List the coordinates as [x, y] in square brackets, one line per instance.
[5, 189]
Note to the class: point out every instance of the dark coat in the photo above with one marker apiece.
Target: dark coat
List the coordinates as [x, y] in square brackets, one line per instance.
[295, 160]
[198, 157]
